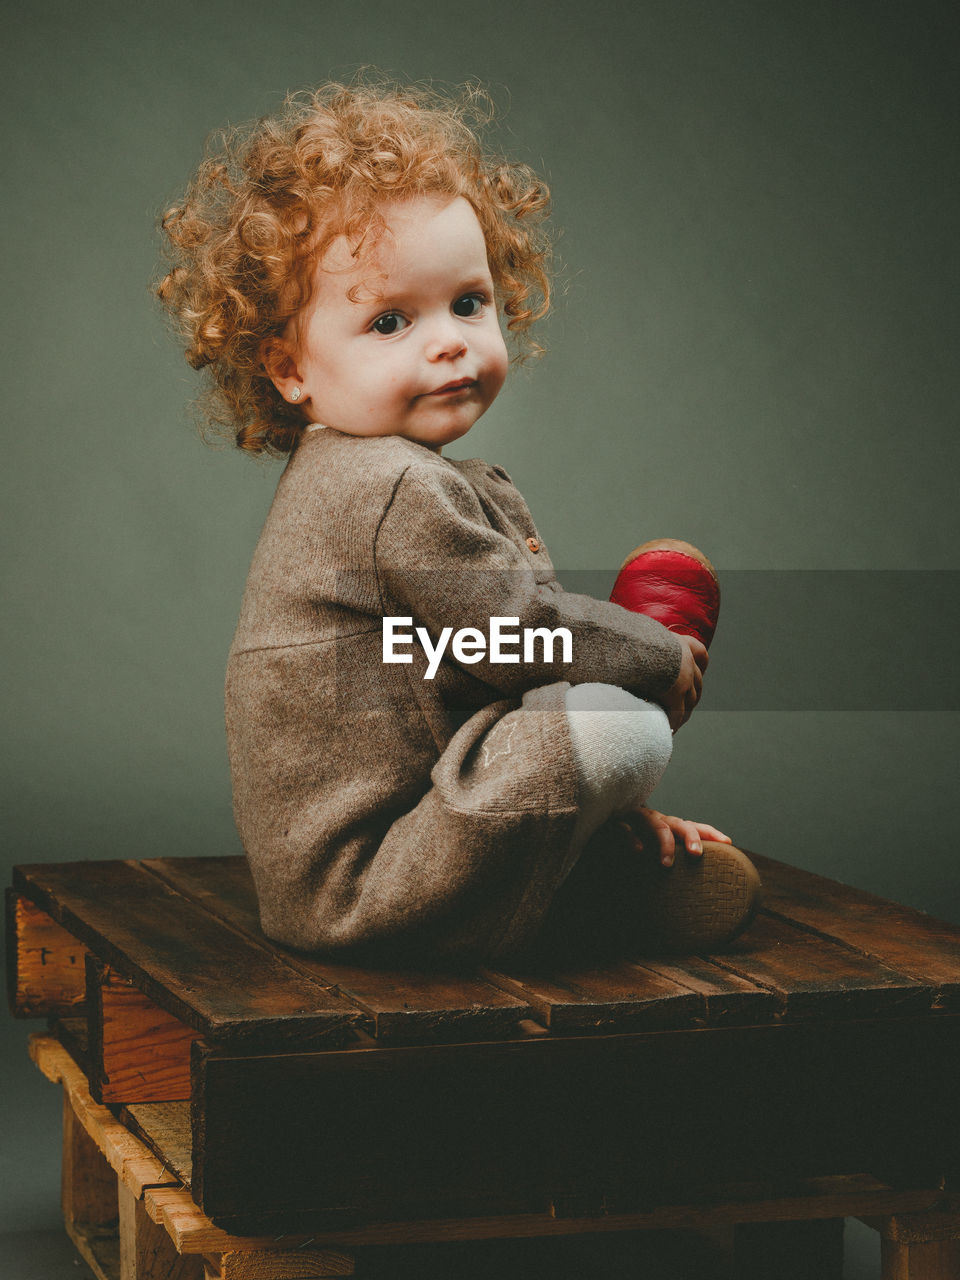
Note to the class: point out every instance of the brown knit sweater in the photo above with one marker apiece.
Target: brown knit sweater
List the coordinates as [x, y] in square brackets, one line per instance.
[385, 814]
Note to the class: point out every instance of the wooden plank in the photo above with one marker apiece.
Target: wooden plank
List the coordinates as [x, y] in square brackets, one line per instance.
[88, 1186]
[194, 1232]
[114, 1157]
[74, 1035]
[941, 1223]
[634, 995]
[816, 978]
[44, 962]
[281, 1264]
[201, 971]
[614, 997]
[728, 1000]
[135, 1165]
[509, 1127]
[931, 1260]
[137, 1051]
[405, 1006]
[191, 1230]
[101, 1253]
[165, 1128]
[146, 1251]
[415, 1006]
[915, 944]
[775, 970]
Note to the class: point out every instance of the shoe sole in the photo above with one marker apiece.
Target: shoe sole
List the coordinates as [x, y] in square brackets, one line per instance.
[700, 903]
[671, 544]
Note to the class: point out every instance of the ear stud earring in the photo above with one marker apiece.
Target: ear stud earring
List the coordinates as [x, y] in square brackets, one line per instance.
[295, 394]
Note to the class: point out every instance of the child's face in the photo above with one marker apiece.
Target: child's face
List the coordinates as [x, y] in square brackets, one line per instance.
[404, 341]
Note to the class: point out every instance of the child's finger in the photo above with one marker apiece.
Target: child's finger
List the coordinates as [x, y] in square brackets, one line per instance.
[711, 833]
[666, 842]
[689, 833]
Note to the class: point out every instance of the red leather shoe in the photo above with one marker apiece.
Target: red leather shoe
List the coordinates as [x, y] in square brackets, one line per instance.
[672, 582]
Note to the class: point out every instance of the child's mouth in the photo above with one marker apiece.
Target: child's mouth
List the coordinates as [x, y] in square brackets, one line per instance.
[450, 387]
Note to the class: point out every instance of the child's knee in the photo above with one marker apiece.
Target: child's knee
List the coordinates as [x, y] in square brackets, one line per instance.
[622, 743]
[622, 746]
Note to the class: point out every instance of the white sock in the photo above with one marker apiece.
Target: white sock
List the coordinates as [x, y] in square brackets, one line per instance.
[622, 746]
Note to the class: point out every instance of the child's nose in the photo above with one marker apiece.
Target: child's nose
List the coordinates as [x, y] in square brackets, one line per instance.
[445, 340]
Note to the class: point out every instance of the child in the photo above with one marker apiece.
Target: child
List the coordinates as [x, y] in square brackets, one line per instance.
[401, 790]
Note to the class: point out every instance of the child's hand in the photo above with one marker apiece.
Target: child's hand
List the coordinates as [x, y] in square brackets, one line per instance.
[684, 694]
[654, 830]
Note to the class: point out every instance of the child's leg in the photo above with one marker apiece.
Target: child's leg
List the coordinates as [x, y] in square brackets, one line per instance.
[622, 746]
[613, 895]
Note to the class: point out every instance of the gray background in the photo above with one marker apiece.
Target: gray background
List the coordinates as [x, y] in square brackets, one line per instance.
[754, 347]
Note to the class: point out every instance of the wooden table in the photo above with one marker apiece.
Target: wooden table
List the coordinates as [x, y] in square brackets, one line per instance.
[295, 1107]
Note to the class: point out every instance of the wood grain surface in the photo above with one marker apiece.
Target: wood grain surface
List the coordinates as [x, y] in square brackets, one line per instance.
[223, 984]
[45, 974]
[404, 1006]
[916, 944]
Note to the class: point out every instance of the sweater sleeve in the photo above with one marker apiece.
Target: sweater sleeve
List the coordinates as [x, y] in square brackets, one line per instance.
[440, 562]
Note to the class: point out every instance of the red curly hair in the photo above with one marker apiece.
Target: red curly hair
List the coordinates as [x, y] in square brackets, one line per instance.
[262, 210]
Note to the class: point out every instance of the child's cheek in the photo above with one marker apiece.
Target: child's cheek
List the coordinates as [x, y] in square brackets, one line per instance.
[498, 367]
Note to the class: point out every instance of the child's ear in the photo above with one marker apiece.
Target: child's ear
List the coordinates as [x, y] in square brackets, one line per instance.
[279, 359]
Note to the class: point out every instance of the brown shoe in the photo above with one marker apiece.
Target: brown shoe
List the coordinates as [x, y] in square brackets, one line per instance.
[700, 903]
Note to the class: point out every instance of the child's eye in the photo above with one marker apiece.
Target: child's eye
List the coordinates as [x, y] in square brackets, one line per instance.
[390, 322]
[471, 304]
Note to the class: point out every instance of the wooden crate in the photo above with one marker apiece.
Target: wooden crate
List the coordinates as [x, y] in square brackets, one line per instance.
[131, 1218]
[290, 1093]
[128, 1213]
